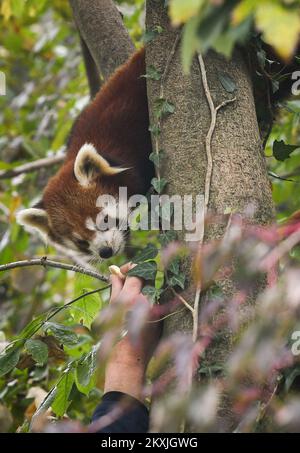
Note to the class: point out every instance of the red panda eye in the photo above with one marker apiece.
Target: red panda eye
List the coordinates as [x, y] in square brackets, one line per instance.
[106, 219]
[82, 243]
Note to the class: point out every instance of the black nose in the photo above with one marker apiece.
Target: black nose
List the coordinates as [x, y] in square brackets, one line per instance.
[105, 252]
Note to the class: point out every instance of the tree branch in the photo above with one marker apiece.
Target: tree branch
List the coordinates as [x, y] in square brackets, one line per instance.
[55, 264]
[32, 166]
[91, 69]
[102, 29]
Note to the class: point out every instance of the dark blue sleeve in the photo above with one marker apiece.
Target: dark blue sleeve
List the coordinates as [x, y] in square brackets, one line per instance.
[133, 419]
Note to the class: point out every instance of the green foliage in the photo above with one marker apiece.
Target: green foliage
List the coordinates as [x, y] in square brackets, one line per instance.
[222, 25]
[146, 270]
[38, 350]
[8, 360]
[227, 82]
[282, 151]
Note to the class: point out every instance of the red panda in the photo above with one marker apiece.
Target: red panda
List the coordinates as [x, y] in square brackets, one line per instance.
[108, 148]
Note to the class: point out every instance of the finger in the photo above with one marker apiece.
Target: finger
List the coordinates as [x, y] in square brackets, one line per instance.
[116, 288]
[133, 286]
[127, 267]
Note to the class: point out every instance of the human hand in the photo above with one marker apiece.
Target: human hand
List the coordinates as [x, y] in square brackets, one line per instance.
[126, 367]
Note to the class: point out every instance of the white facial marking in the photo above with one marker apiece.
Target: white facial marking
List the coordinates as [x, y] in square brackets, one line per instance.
[90, 224]
[112, 238]
[77, 236]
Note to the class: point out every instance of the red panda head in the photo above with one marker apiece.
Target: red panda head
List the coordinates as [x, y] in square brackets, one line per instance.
[68, 213]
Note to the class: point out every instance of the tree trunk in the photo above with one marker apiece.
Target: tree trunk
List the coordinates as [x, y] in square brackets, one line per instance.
[101, 27]
[239, 175]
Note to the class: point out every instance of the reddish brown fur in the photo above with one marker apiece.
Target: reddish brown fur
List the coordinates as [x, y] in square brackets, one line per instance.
[116, 122]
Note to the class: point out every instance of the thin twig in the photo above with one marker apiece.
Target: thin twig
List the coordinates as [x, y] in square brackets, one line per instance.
[209, 170]
[188, 306]
[278, 252]
[196, 313]
[32, 166]
[164, 75]
[165, 317]
[55, 264]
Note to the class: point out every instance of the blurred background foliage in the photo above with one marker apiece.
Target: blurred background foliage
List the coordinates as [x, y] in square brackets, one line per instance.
[46, 89]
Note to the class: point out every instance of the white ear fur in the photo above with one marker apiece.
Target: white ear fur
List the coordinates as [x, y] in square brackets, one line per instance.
[34, 218]
[89, 165]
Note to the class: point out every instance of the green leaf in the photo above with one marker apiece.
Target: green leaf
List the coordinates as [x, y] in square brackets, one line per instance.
[8, 360]
[227, 82]
[86, 309]
[149, 252]
[155, 130]
[61, 401]
[146, 270]
[174, 266]
[159, 184]
[281, 151]
[150, 35]
[165, 210]
[85, 371]
[177, 280]
[38, 350]
[152, 293]
[64, 334]
[181, 11]
[32, 327]
[189, 43]
[152, 73]
[280, 26]
[163, 108]
[290, 378]
[166, 237]
[156, 158]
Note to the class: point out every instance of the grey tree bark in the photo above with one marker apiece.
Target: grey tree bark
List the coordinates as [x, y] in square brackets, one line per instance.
[101, 27]
[239, 174]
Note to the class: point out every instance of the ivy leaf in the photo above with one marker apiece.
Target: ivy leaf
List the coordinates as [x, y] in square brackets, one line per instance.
[152, 73]
[152, 293]
[159, 184]
[165, 211]
[174, 266]
[166, 237]
[149, 252]
[155, 130]
[62, 392]
[163, 108]
[146, 270]
[177, 280]
[63, 333]
[86, 309]
[8, 360]
[227, 82]
[281, 151]
[156, 158]
[149, 35]
[38, 350]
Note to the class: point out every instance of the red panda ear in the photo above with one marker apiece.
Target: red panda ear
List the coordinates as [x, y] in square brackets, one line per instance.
[89, 165]
[34, 218]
